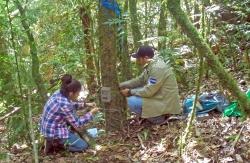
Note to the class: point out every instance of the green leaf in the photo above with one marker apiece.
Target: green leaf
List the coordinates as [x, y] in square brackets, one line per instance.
[3, 156]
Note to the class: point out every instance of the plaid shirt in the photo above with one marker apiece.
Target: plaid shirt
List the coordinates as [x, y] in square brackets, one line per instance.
[58, 111]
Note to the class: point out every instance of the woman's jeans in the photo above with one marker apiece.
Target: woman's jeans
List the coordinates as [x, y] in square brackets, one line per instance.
[74, 143]
[135, 105]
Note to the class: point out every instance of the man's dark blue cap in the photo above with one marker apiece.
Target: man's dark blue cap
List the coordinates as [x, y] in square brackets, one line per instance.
[144, 51]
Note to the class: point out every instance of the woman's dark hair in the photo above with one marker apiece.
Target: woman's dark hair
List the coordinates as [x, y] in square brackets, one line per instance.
[69, 85]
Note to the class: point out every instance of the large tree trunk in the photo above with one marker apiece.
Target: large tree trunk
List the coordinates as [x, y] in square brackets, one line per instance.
[33, 51]
[137, 36]
[89, 49]
[225, 78]
[162, 27]
[115, 114]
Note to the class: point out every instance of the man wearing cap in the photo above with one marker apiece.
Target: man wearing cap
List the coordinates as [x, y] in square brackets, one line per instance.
[154, 93]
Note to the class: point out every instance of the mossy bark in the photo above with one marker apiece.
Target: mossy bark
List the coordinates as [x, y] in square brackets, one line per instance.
[33, 51]
[89, 49]
[115, 114]
[224, 77]
[136, 33]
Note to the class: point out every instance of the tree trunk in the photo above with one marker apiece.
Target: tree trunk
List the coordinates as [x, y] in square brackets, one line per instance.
[224, 77]
[162, 27]
[146, 8]
[203, 21]
[89, 49]
[115, 109]
[125, 58]
[137, 36]
[196, 15]
[7, 91]
[12, 40]
[247, 60]
[33, 51]
[187, 7]
[3, 50]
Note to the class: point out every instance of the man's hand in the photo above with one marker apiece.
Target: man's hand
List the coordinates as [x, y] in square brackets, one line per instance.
[94, 110]
[125, 92]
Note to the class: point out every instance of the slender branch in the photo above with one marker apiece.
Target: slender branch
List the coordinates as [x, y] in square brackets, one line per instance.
[142, 145]
[193, 112]
[237, 137]
[16, 109]
[32, 135]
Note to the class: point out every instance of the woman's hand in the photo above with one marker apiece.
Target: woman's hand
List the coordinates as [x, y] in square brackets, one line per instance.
[88, 104]
[91, 104]
[81, 105]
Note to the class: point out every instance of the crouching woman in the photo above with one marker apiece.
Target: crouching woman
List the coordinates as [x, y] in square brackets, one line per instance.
[59, 111]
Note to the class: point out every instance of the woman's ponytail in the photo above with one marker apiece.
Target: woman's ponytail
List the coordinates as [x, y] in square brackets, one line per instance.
[68, 84]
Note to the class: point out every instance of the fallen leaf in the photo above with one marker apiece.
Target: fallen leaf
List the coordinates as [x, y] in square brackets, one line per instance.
[238, 158]
[121, 158]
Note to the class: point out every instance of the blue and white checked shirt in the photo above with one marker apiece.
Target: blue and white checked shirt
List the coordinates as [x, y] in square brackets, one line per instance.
[58, 111]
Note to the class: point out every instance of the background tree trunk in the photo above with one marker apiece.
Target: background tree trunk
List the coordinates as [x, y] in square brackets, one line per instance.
[6, 68]
[196, 15]
[33, 51]
[126, 69]
[136, 33]
[13, 44]
[3, 50]
[225, 78]
[187, 7]
[115, 110]
[247, 61]
[162, 27]
[146, 16]
[89, 49]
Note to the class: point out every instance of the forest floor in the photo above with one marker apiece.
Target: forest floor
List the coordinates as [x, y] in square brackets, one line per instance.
[214, 139]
